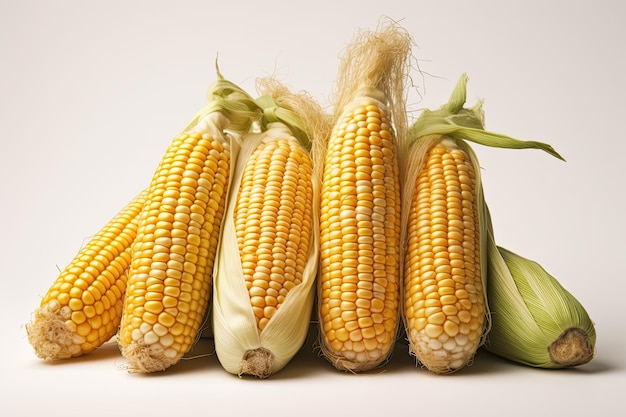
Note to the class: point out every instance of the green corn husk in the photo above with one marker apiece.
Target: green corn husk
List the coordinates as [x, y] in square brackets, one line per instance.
[534, 320]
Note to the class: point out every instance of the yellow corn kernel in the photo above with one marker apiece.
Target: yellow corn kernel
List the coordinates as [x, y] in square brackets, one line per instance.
[273, 223]
[170, 276]
[360, 233]
[82, 309]
[443, 289]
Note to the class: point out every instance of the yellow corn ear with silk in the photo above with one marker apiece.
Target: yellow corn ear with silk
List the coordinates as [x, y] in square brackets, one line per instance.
[170, 278]
[445, 309]
[83, 307]
[360, 274]
[268, 255]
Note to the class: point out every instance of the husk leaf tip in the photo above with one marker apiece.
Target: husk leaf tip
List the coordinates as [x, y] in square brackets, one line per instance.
[467, 123]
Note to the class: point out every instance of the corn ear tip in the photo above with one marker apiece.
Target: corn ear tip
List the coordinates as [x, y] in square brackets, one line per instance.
[437, 364]
[459, 95]
[49, 335]
[341, 363]
[143, 358]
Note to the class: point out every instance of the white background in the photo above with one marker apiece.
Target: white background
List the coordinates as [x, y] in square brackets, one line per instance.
[91, 93]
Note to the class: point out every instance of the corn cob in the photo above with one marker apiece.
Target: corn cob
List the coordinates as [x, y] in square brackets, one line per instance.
[83, 307]
[170, 278]
[445, 310]
[358, 291]
[268, 257]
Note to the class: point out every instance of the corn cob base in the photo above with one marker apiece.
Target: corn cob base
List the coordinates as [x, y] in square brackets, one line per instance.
[572, 348]
[50, 335]
[257, 362]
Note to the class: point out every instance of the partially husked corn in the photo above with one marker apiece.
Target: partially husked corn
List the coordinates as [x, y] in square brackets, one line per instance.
[273, 221]
[268, 254]
[360, 232]
[83, 307]
[443, 290]
[447, 258]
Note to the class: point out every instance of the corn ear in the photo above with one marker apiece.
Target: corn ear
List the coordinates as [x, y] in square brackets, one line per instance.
[83, 307]
[445, 309]
[268, 254]
[535, 321]
[360, 274]
[170, 279]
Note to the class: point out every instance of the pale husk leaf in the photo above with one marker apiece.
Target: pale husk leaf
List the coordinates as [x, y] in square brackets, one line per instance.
[507, 306]
[227, 98]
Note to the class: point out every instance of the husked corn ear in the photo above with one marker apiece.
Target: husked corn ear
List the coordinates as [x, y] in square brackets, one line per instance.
[444, 298]
[360, 230]
[273, 223]
[169, 282]
[83, 307]
[360, 274]
[171, 273]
